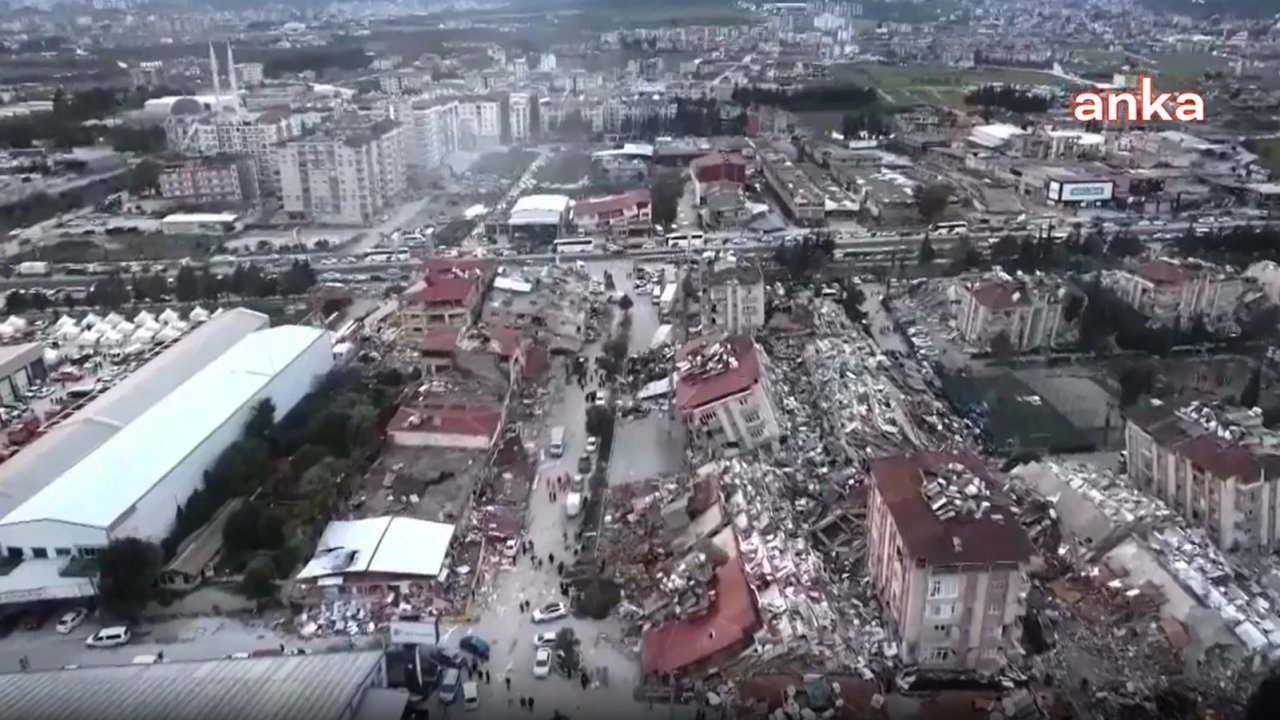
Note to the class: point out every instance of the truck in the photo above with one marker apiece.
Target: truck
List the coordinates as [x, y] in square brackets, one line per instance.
[33, 268]
[557, 442]
[573, 504]
[668, 300]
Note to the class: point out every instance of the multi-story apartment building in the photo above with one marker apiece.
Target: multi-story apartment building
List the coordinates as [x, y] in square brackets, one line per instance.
[1025, 312]
[449, 294]
[733, 299]
[948, 560]
[615, 215]
[723, 393]
[250, 74]
[433, 134]
[255, 135]
[220, 180]
[1179, 291]
[519, 117]
[1218, 468]
[479, 123]
[345, 173]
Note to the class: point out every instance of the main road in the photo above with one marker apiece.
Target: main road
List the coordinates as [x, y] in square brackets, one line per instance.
[880, 245]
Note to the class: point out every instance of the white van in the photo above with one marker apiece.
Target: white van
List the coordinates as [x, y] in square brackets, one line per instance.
[470, 696]
[556, 448]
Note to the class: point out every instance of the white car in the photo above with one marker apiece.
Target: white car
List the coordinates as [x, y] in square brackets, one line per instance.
[593, 443]
[71, 620]
[550, 612]
[544, 639]
[109, 637]
[542, 663]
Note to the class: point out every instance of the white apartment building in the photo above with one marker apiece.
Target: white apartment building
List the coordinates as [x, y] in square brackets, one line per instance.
[722, 392]
[434, 128]
[547, 62]
[252, 135]
[948, 560]
[479, 123]
[345, 174]
[250, 74]
[1169, 291]
[519, 117]
[209, 180]
[733, 298]
[1216, 467]
[1028, 312]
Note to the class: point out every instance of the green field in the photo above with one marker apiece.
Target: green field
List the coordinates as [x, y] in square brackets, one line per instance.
[934, 84]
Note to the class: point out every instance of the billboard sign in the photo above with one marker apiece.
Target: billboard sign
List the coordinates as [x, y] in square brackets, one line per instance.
[1081, 191]
[413, 633]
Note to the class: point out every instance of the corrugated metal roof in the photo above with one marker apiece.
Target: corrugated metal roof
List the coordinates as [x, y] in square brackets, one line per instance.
[316, 687]
[56, 452]
[101, 487]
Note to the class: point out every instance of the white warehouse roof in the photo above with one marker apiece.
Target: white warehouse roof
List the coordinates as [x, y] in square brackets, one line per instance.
[539, 209]
[200, 218]
[393, 545]
[321, 686]
[70, 441]
[96, 491]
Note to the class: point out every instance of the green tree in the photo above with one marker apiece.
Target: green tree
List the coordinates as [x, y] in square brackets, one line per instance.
[665, 193]
[568, 657]
[262, 421]
[1252, 390]
[144, 178]
[927, 253]
[320, 485]
[362, 427]
[127, 571]
[1002, 344]
[614, 355]
[259, 580]
[932, 200]
[186, 286]
[307, 457]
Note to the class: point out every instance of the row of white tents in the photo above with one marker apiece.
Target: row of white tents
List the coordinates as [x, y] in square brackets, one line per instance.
[114, 331]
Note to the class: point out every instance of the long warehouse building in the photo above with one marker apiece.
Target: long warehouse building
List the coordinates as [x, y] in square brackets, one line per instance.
[133, 483]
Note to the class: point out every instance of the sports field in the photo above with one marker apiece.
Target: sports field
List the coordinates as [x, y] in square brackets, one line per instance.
[934, 84]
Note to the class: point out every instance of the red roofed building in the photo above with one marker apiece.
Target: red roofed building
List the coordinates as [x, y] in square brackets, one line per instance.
[719, 166]
[711, 638]
[948, 559]
[722, 392]
[1216, 467]
[1170, 291]
[1027, 312]
[449, 294]
[615, 215]
[463, 425]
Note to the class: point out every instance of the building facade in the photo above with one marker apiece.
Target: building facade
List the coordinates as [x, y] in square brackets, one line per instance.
[221, 180]
[1027, 313]
[449, 294]
[948, 560]
[1179, 292]
[723, 394]
[435, 129]
[519, 117]
[734, 299]
[345, 174]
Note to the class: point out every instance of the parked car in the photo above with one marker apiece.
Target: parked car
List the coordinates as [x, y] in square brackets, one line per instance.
[450, 682]
[110, 637]
[593, 443]
[544, 639]
[471, 695]
[476, 647]
[550, 612]
[542, 663]
[72, 620]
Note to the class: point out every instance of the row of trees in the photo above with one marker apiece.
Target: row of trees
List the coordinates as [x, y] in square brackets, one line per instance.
[299, 462]
[320, 60]
[836, 96]
[1009, 98]
[70, 122]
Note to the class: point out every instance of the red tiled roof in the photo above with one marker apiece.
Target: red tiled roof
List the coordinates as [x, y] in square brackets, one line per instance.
[718, 158]
[695, 392]
[440, 289]
[1221, 461]
[731, 618]
[610, 203]
[998, 295]
[446, 266]
[448, 419]
[441, 339]
[957, 540]
[1164, 272]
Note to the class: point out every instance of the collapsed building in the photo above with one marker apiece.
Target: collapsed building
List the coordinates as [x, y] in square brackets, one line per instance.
[722, 393]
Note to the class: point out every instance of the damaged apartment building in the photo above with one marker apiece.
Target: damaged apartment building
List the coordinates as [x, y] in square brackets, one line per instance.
[1217, 467]
[733, 297]
[548, 302]
[449, 294]
[1027, 311]
[1172, 292]
[723, 393]
[948, 558]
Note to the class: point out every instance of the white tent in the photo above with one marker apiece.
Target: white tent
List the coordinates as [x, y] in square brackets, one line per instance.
[64, 321]
[143, 318]
[168, 334]
[6, 332]
[150, 326]
[112, 339]
[179, 326]
[112, 320]
[89, 320]
[135, 349]
[17, 323]
[198, 315]
[88, 339]
[217, 312]
[168, 317]
[142, 337]
[101, 328]
[69, 333]
[126, 328]
[52, 357]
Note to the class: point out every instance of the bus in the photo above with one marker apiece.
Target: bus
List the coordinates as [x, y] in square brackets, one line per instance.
[684, 240]
[575, 245]
[950, 228]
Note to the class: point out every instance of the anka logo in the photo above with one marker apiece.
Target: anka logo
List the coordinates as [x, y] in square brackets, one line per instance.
[1144, 106]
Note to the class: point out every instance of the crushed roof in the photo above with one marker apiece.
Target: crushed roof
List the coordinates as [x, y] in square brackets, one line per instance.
[1165, 272]
[730, 619]
[449, 418]
[711, 371]
[604, 204]
[394, 545]
[949, 535]
[321, 686]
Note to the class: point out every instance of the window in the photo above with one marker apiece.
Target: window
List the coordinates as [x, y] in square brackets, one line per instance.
[998, 585]
[995, 607]
[945, 587]
[62, 552]
[942, 629]
[40, 553]
[942, 610]
[89, 552]
[751, 417]
[14, 552]
[991, 653]
[939, 654]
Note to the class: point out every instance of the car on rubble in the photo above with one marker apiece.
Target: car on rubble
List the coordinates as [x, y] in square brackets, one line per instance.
[550, 612]
[544, 639]
[542, 663]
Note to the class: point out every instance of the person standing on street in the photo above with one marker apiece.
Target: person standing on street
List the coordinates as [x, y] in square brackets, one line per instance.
[508, 681]
[530, 704]
[524, 704]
